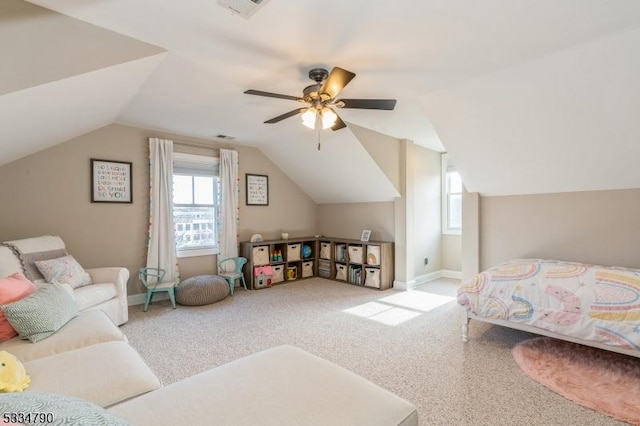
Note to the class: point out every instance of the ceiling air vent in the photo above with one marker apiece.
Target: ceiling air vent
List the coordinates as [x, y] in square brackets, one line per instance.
[225, 137]
[245, 8]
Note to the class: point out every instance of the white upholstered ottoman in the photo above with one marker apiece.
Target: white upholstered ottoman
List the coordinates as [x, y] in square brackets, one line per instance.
[280, 386]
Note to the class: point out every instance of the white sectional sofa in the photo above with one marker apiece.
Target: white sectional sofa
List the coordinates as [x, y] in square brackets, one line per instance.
[108, 291]
[89, 358]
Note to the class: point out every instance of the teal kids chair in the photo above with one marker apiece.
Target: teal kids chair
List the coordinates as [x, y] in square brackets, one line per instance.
[232, 270]
[152, 280]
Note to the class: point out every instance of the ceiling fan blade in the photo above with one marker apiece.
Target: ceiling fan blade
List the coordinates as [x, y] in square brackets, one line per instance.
[273, 95]
[385, 104]
[338, 78]
[286, 115]
[339, 124]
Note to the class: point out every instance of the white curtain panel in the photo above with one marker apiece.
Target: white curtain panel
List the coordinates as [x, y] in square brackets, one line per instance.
[229, 195]
[162, 248]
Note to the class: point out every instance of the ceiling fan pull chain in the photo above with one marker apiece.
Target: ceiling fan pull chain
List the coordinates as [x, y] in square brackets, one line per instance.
[318, 127]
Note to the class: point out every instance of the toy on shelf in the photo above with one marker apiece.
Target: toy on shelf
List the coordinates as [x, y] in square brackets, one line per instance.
[276, 255]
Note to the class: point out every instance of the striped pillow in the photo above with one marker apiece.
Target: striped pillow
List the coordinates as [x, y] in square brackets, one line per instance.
[42, 313]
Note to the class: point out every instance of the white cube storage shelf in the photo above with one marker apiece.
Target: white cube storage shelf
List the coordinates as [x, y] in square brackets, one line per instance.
[363, 263]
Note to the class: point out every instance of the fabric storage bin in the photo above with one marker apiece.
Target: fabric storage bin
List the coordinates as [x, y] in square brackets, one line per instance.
[263, 276]
[355, 254]
[341, 272]
[278, 274]
[261, 255]
[372, 277]
[293, 252]
[307, 269]
[373, 255]
[325, 250]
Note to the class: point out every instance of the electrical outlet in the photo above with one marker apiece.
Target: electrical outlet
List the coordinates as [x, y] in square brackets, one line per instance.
[426, 260]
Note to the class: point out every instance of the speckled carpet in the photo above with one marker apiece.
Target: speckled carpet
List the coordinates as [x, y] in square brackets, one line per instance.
[407, 342]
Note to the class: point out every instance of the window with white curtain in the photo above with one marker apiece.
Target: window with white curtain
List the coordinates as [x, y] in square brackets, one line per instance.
[451, 198]
[195, 204]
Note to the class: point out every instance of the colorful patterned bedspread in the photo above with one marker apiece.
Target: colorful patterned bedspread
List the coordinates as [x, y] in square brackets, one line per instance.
[589, 302]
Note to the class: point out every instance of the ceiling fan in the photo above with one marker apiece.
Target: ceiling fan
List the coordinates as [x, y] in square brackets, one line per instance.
[321, 97]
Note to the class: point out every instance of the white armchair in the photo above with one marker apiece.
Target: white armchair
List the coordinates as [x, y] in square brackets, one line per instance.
[107, 292]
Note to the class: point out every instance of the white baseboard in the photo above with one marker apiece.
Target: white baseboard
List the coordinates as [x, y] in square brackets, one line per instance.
[138, 299]
[447, 273]
[425, 278]
[404, 285]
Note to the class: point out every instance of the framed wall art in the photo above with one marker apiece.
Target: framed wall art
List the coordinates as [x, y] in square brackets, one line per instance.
[366, 234]
[257, 190]
[110, 181]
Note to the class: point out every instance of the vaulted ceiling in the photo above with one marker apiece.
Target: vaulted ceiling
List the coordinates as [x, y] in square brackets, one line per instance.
[526, 96]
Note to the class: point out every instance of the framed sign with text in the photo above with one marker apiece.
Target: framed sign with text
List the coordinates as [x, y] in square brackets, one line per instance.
[110, 181]
[257, 190]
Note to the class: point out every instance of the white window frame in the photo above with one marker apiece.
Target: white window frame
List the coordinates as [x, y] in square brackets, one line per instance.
[202, 161]
[445, 199]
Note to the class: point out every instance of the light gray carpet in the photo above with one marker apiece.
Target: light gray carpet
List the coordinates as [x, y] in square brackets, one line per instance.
[421, 358]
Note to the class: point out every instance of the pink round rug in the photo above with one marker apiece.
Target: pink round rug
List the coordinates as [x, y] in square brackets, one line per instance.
[604, 381]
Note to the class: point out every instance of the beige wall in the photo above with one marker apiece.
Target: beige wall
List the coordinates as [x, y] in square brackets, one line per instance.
[49, 193]
[452, 252]
[384, 149]
[349, 219]
[427, 210]
[596, 227]
[470, 241]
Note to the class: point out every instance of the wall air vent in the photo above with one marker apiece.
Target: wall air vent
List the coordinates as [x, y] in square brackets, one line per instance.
[244, 8]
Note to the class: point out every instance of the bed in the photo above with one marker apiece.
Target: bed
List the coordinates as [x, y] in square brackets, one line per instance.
[589, 304]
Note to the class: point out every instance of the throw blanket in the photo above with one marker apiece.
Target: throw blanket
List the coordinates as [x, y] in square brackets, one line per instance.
[31, 250]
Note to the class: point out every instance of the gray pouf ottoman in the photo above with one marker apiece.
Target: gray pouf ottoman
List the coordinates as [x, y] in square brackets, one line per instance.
[202, 290]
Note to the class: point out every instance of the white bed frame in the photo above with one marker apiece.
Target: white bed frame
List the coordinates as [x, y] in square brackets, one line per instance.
[524, 327]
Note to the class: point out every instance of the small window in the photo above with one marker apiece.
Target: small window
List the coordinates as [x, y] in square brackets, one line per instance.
[195, 204]
[451, 198]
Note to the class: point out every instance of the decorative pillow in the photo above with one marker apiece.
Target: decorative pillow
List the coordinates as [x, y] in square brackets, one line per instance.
[12, 289]
[42, 313]
[49, 408]
[64, 270]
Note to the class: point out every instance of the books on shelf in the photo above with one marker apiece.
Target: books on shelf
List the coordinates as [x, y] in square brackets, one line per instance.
[341, 252]
[324, 268]
[355, 274]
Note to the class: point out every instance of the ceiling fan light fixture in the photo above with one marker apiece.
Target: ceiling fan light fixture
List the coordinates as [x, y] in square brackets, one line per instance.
[309, 118]
[328, 118]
